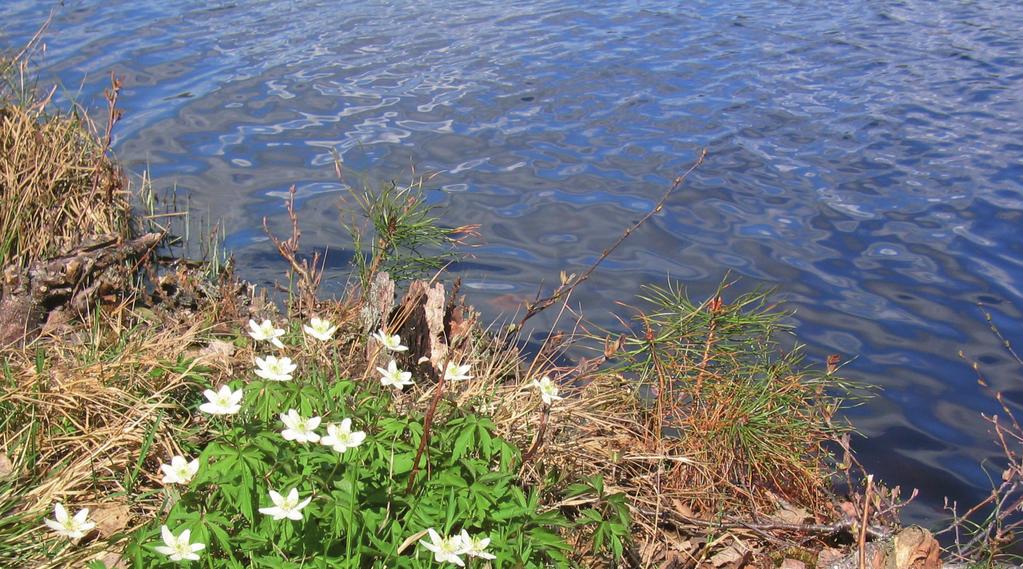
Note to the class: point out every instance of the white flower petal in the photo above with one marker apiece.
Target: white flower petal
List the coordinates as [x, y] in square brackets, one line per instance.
[167, 536]
[276, 497]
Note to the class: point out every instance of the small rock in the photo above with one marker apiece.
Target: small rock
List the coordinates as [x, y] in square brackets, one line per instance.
[792, 564]
[6, 468]
[829, 556]
[911, 548]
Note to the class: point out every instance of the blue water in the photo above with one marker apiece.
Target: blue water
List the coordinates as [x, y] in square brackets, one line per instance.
[866, 159]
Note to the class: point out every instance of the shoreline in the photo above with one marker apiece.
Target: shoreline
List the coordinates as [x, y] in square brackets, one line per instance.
[667, 439]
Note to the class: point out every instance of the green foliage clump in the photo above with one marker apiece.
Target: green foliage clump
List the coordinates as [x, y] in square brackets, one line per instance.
[726, 393]
[404, 236]
[360, 513]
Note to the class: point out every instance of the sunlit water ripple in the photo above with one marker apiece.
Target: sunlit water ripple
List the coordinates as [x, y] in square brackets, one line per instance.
[865, 160]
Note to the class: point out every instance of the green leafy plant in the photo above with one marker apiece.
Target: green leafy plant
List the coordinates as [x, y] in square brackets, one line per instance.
[399, 233]
[608, 514]
[348, 508]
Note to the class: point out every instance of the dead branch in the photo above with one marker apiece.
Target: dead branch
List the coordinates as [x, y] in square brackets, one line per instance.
[424, 441]
[75, 280]
[680, 521]
[569, 284]
[307, 273]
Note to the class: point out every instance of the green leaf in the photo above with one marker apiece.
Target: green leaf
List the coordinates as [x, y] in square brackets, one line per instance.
[448, 478]
[548, 539]
[220, 536]
[402, 463]
[465, 438]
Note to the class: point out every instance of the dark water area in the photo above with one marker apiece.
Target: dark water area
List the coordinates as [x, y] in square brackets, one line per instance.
[865, 160]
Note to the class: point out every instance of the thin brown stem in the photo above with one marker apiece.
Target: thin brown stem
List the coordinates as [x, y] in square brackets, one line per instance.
[569, 284]
[307, 273]
[678, 520]
[539, 435]
[427, 424]
[862, 537]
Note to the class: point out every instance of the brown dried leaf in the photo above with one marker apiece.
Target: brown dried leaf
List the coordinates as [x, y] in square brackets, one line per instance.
[111, 517]
[217, 352]
[682, 508]
[791, 514]
[6, 468]
[849, 510]
[833, 361]
[113, 560]
[462, 321]
[611, 347]
[727, 557]
[456, 322]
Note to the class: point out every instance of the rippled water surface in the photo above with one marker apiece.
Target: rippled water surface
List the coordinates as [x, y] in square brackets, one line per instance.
[865, 159]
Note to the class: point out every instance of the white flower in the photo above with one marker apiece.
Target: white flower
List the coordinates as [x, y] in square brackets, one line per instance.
[222, 402]
[274, 368]
[70, 527]
[288, 507]
[178, 548]
[342, 438]
[392, 343]
[394, 377]
[319, 329]
[548, 390]
[474, 547]
[179, 471]
[447, 549]
[455, 372]
[266, 332]
[299, 428]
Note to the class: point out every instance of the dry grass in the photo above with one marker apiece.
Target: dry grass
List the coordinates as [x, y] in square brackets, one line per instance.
[698, 415]
[86, 419]
[57, 183]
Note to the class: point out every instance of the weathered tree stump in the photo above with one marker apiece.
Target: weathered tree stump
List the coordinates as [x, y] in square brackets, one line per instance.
[71, 282]
[911, 548]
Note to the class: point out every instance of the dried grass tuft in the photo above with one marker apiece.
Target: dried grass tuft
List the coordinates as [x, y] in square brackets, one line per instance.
[57, 183]
[87, 424]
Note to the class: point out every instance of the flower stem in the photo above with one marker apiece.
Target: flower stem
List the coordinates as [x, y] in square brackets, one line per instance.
[427, 423]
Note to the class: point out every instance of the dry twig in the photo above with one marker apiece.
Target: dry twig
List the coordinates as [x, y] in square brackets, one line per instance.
[569, 284]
